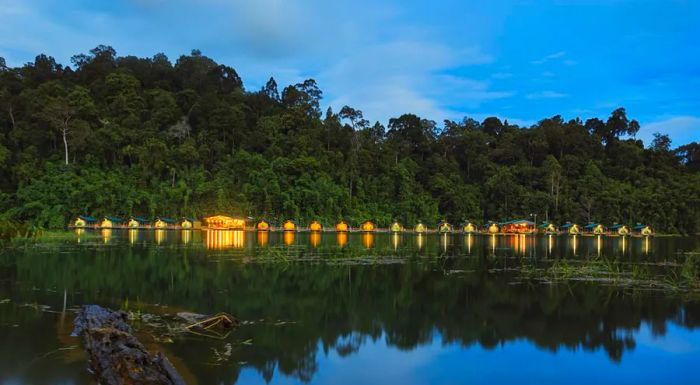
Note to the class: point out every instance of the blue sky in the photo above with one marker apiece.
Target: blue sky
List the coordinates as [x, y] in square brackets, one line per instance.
[519, 60]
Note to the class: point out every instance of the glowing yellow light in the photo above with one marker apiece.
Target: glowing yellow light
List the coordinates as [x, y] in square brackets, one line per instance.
[79, 222]
[133, 223]
[186, 224]
[550, 244]
[623, 244]
[289, 225]
[133, 236]
[493, 228]
[469, 240]
[186, 236]
[396, 227]
[160, 236]
[367, 239]
[288, 238]
[444, 241]
[574, 243]
[367, 226]
[646, 245]
[342, 226]
[106, 235]
[493, 243]
[469, 228]
[262, 226]
[217, 239]
[315, 239]
[420, 228]
[599, 244]
[395, 240]
[106, 223]
[224, 222]
[342, 238]
[263, 237]
[315, 226]
[419, 240]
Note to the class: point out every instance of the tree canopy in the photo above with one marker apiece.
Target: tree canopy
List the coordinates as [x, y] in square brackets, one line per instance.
[127, 135]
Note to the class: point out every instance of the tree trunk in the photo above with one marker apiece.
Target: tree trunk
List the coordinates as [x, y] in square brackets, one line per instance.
[65, 142]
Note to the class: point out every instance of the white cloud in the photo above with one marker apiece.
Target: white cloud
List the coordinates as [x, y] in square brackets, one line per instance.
[683, 129]
[545, 95]
[550, 57]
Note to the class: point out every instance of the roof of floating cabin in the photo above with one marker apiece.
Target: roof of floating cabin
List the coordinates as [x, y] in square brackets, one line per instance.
[567, 225]
[141, 219]
[191, 219]
[167, 219]
[114, 219]
[545, 225]
[640, 227]
[616, 226]
[87, 218]
[514, 221]
[591, 226]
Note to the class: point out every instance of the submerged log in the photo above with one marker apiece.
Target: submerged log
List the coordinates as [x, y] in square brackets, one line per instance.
[116, 357]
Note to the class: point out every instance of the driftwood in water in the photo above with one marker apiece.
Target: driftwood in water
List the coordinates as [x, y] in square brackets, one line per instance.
[116, 356]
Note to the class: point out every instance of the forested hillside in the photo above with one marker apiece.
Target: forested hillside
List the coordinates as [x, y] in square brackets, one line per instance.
[128, 135]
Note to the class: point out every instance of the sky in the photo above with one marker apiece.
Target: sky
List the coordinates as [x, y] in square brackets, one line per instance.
[516, 59]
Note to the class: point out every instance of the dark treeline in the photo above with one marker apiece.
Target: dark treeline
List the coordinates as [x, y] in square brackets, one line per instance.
[128, 135]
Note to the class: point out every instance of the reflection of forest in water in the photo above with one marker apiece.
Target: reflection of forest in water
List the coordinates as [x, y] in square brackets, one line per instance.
[474, 300]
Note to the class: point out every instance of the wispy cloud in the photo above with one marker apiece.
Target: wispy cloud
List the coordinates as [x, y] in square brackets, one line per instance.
[682, 129]
[546, 95]
[553, 56]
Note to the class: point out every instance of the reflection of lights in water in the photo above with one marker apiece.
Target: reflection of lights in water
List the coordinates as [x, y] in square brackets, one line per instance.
[186, 236]
[599, 244]
[395, 240]
[342, 238]
[79, 232]
[133, 236]
[469, 241]
[367, 239]
[315, 238]
[550, 243]
[574, 243]
[623, 244]
[493, 243]
[106, 235]
[222, 239]
[288, 237]
[646, 245]
[444, 242]
[263, 237]
[419, 240]
[160, 236]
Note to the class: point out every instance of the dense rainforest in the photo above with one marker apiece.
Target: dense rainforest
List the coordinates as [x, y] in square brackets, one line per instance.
[126, 135]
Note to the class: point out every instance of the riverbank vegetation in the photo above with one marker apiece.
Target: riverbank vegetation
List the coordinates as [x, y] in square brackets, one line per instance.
[126, 135]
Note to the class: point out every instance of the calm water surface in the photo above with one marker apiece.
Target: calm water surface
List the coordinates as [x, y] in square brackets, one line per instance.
[377, 309]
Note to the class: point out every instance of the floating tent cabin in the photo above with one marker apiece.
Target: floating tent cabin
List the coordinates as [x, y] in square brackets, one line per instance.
[492, 228]
[315, 226]
[643, 230]
[110, 222]
[469, 228]
[190, 223]
[138, 222]
[165, 223]
[420, 228]
[518, 226]
[619, 229]
[396, 227]
[594, 228]
[570, 228]
[222, 222]
[289, 225]
[367, 226]
[342, 227]
[83, 221]
[547, 228]
[444, 227]
[262, 225]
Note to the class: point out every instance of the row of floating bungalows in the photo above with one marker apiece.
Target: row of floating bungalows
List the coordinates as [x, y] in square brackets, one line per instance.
[222, 222]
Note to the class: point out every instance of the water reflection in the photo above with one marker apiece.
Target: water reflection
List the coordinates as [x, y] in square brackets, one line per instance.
[106, 235]
[159, 236]
[315, 238]
[263, 238]
[186, 236]
[367, 240]
[341, 238]
[288, 237]
[413, 306]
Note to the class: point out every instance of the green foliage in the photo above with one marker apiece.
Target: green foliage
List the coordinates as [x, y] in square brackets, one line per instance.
[128, 135]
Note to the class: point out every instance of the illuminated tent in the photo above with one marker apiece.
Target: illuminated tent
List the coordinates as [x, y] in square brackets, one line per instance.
[518, 226]
[396, 227]
[136, 222]
[570, 228]
[225, 223]
[548, 228]
[420, 228]
[444, 227]
[594, 228]
[289, 225]
[492, 228]
[164, 222]
[315, 226]
[110, 222]
[367, 226]
[262, 225]
[190, 223]
[84, 221]
[642, 229]
[469, 228]
[619, 229]
[342, 226]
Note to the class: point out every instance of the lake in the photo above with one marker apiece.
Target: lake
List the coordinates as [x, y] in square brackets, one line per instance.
[365, 308]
